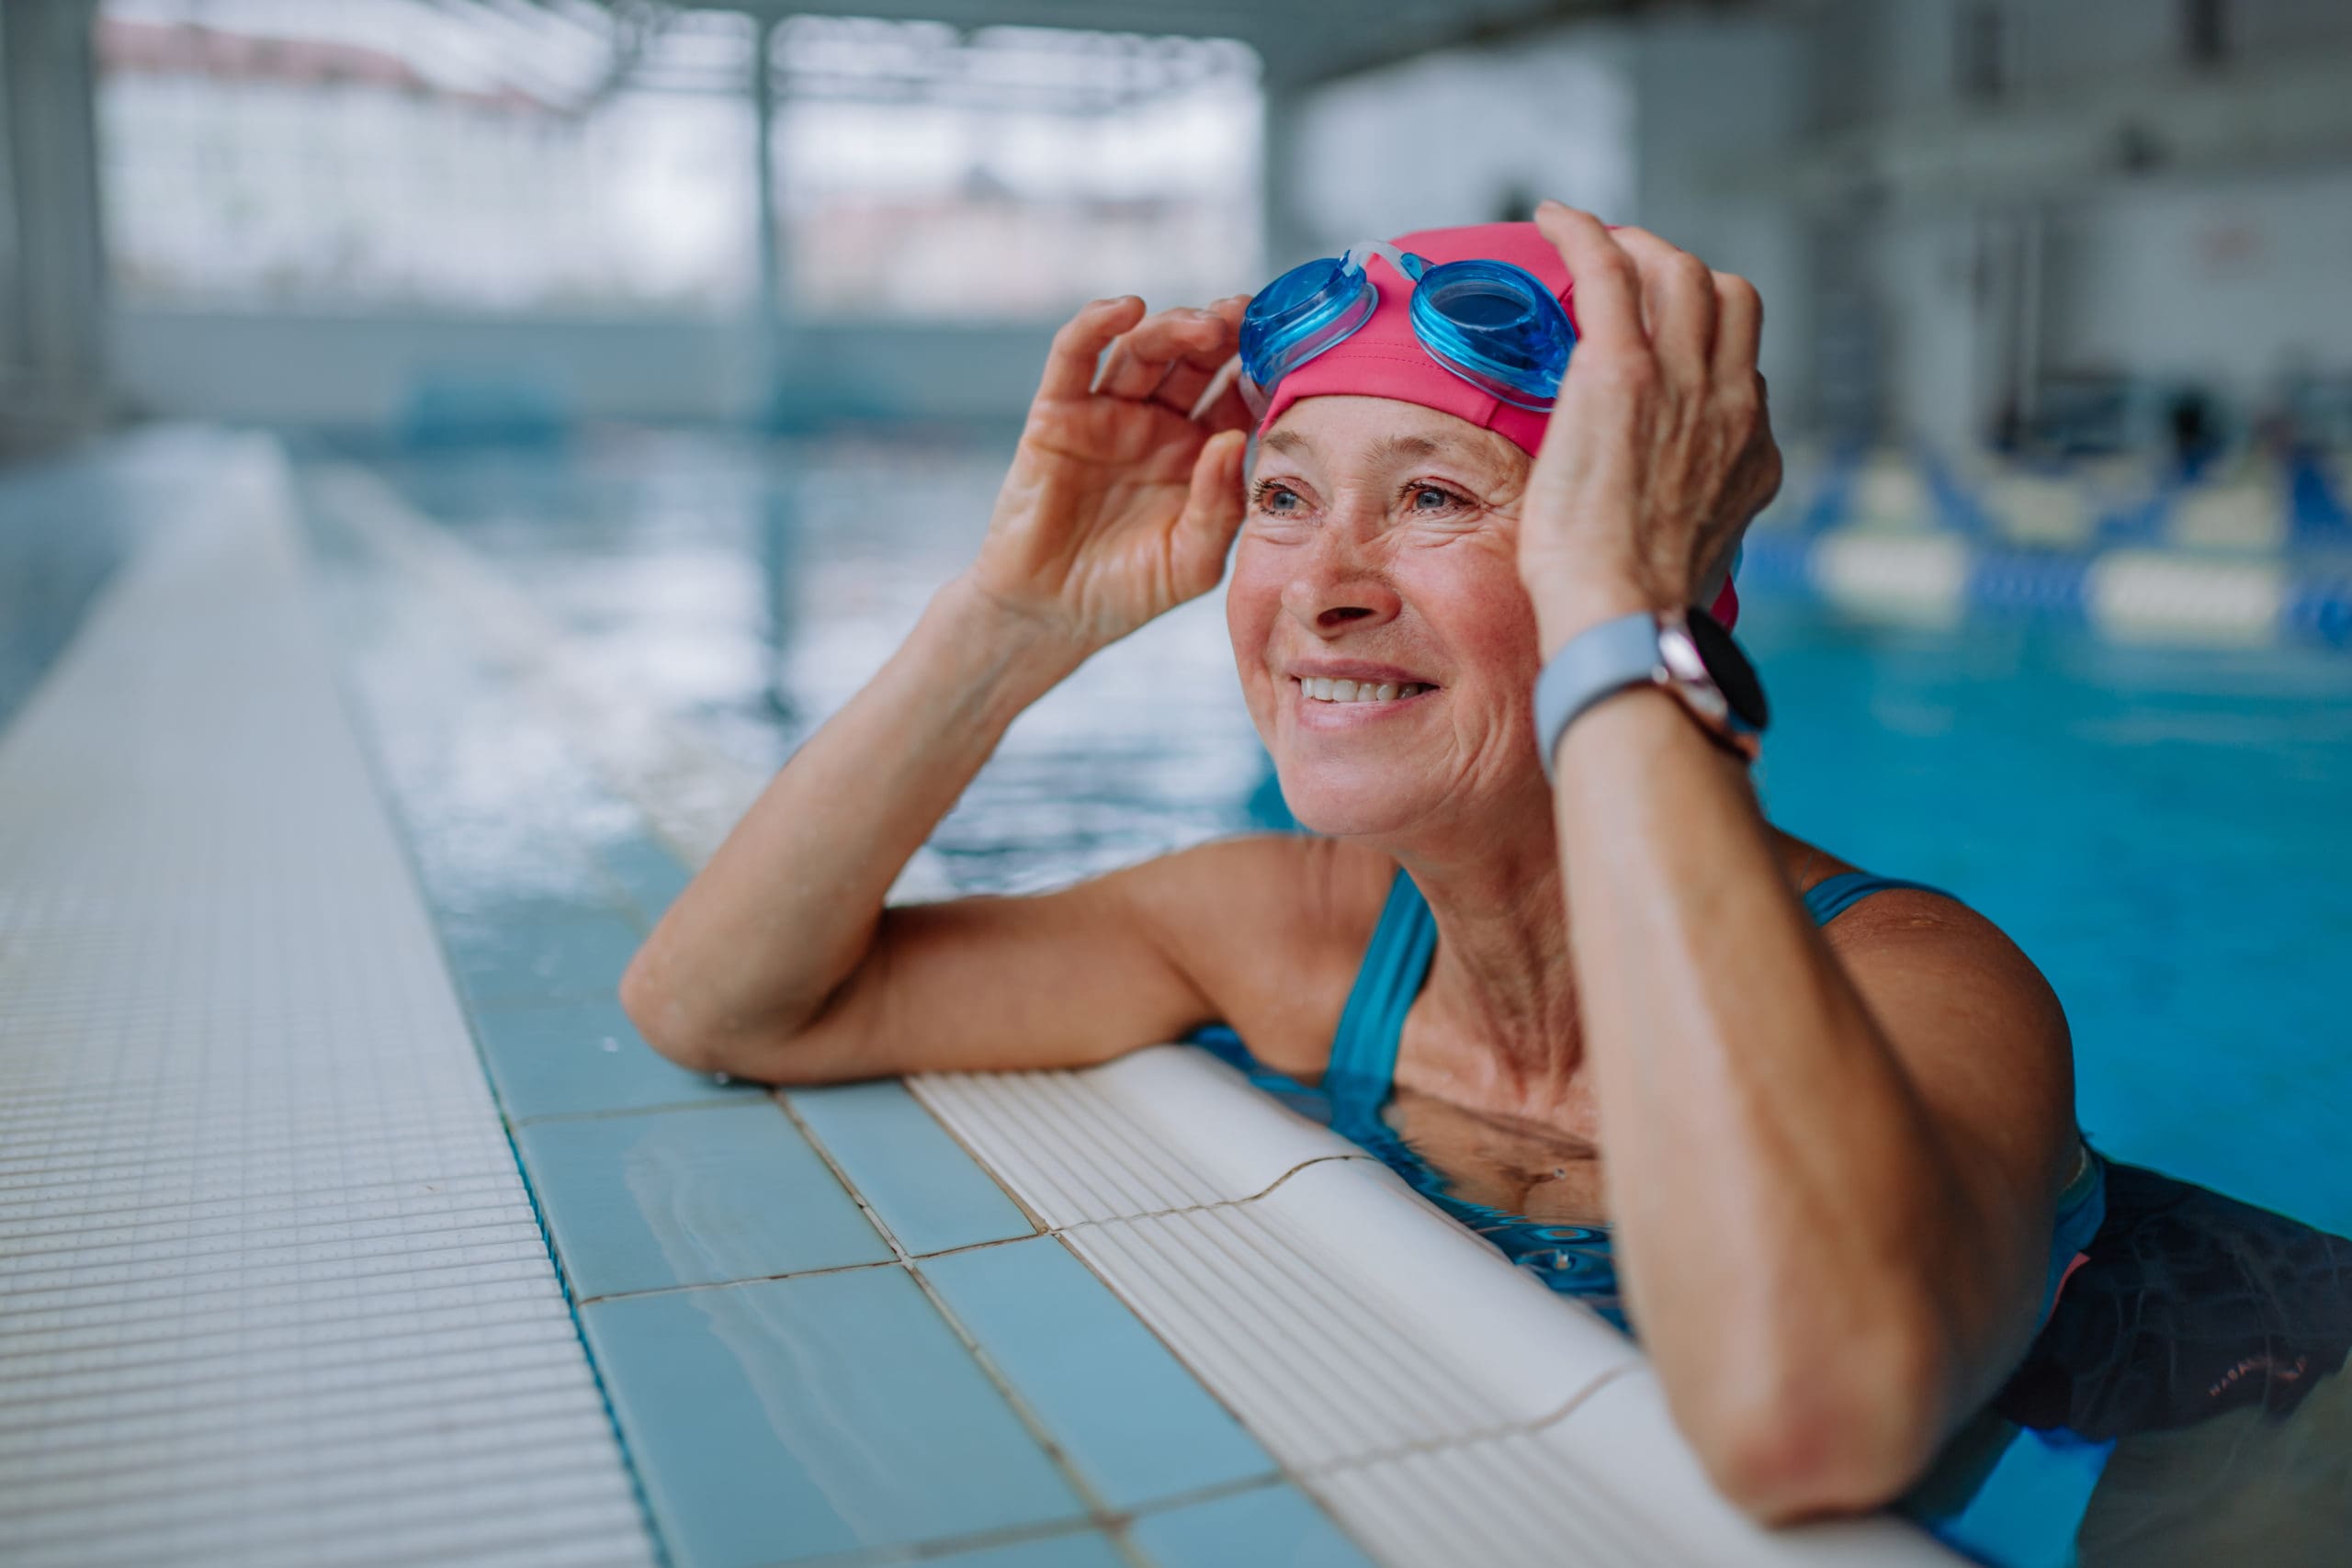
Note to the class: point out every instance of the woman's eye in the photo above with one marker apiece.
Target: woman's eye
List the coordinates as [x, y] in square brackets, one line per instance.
[1277, 497]
[1430, 498]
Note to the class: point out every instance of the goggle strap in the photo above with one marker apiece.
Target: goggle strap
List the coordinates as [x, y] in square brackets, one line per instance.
[1230, 375]
[1406, 263]
[1253, 397]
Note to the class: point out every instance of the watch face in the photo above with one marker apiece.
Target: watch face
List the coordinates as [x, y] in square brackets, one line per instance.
[1731, 671]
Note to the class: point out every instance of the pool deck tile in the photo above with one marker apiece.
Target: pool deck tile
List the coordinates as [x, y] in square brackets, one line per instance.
[1089, 1549]
[1273, 1527]
[790, 1419]
[575, 1058]
[1134, 1423]
[652, 876]
[579, 955]
[929, 1192]
[690, 1197]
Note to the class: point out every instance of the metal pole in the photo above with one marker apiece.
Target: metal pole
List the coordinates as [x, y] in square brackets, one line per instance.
[768, 297]
[59, 331]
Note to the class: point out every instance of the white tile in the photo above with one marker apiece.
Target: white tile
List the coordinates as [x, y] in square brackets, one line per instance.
[1624, 1442]
[1167, 1128]
[271, 1289]
[1611, 1484]
[1341, 1318]
[1524, 1350]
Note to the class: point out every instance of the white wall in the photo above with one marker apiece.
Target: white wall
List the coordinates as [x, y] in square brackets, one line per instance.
[1622, 119]
[2232, 282]
[1468, 136]
[2227, 279]
[1705, 83]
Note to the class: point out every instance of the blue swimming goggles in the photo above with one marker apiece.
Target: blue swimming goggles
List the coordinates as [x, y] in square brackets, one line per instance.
[1495, 326]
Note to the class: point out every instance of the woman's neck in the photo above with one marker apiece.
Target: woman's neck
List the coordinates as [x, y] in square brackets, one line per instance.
[1500, 1006]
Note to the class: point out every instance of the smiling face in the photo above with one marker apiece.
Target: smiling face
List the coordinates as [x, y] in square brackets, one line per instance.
[1385, 647]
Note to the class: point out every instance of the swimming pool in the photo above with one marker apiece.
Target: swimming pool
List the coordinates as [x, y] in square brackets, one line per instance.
[2159, 828]
[2167, 833]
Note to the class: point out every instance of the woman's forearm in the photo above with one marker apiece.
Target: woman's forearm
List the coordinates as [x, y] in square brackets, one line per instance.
[786, 909]
[1789, 1216]
[1828, 1225]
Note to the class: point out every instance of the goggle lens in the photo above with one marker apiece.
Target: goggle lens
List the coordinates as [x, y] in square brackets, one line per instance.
[1300, 315]
[1495, 326]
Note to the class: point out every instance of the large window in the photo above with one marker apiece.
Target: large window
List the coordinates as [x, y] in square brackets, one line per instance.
[570, 156]
[1010, 172]
[276, 154]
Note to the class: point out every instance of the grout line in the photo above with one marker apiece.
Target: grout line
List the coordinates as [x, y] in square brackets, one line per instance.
[620, 1113]
[873, 1216]
[1114, 1524]
[915, 1086]
[1080, 1486]
[1471, 1437]
[1576, 1400]
[903, 1256]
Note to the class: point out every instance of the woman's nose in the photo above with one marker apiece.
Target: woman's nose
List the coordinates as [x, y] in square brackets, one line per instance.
[1337, 588]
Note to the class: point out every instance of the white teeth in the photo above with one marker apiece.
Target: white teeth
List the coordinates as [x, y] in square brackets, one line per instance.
[1323, 689]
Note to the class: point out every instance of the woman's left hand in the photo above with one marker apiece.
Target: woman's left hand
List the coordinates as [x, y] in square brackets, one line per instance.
[1660, 449]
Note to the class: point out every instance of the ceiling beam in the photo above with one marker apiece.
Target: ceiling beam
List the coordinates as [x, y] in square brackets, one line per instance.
[1426, 29]
[1303, 42]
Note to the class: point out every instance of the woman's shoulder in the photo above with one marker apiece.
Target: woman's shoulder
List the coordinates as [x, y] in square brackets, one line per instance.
[1270, 929]
[1831, 886]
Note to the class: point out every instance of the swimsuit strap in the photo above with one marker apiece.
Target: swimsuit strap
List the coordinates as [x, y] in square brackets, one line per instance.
[1396, 963]
[1362, 1070]
[1833, 896]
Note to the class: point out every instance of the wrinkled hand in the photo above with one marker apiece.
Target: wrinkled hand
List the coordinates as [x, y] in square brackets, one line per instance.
[1121, 503]
[1660, 449]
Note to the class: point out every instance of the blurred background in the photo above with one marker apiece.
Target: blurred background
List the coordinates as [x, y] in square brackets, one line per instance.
[2064, 229]
[701, 333]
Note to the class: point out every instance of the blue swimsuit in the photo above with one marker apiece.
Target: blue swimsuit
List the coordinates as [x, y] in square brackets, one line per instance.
[1573, 1259]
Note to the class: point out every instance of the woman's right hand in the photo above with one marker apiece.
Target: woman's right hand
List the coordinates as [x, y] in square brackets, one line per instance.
[1119, 505]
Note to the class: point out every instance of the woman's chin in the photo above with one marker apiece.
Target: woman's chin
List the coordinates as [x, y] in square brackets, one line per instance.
[1343, 809]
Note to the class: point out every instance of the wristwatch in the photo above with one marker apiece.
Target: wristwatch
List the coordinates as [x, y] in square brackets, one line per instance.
[1689, 654]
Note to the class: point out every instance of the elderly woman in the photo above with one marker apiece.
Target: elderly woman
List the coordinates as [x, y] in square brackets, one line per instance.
[1838, 1159]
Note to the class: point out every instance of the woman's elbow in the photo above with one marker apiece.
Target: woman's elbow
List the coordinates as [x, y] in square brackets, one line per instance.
[1849, 1432]
[702, 1042]
[670, 1028]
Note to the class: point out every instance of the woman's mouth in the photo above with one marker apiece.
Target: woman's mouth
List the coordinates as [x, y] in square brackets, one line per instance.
[1338, 689]
[1344, 699]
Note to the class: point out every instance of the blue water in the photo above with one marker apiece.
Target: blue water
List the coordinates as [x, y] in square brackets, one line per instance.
[2165, 833]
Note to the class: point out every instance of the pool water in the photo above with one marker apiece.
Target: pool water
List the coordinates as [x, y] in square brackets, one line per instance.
[2167, 833]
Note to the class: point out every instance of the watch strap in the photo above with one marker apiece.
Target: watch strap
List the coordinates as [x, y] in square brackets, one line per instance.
[1597, 662]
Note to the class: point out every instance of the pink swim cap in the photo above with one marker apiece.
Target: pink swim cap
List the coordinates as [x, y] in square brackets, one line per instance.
[1383, 359]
